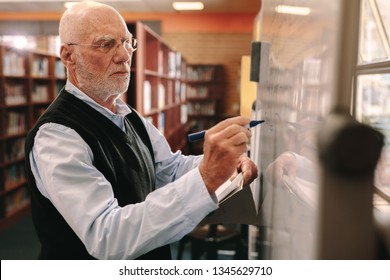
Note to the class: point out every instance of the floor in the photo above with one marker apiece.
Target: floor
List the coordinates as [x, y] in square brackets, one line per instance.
[19, 242]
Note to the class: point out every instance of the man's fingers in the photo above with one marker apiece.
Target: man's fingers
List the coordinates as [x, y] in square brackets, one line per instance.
[241, 121]
[234, 134]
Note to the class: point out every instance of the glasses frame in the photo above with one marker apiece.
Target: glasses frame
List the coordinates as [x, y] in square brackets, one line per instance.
[102, 46]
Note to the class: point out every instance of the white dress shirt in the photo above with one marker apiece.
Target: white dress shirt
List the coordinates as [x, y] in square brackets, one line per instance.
[62, 164]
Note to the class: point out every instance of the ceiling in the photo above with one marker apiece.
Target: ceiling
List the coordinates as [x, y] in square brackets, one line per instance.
[136, 6]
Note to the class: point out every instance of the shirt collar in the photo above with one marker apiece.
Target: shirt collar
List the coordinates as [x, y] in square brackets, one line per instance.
[121, 107]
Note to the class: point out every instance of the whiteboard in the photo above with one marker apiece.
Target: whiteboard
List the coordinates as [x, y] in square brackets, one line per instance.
[300, 92]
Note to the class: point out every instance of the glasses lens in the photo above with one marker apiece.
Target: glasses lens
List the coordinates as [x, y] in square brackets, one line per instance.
[134, 43]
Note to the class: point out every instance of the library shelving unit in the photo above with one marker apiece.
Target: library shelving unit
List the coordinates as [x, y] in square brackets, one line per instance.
[158, 89]
[29, 82]
[205, 89]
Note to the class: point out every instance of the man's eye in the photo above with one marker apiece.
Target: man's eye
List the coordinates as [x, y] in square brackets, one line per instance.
[107, 45]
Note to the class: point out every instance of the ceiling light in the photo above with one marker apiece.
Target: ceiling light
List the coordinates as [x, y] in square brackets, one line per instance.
[294, 10]
[187, 6]
[20, 42]
[69, 4]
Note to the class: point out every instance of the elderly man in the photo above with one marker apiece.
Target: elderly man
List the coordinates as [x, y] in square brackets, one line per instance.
[104, 181]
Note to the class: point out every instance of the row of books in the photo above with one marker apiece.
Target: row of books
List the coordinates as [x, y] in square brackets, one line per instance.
[164, 95]
[14, 64]
[15, 123]
[197, 92]
[40, 93]
[40, 67]
[161, 118]
[173, 64]
[14, 94]
[180, 92]
[13, 175]
[200, 73]
[16, 201]
[14, 149]
[201, 108]
[175, 70]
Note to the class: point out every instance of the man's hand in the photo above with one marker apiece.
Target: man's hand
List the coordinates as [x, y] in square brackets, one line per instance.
[224, 145]
[248, 169]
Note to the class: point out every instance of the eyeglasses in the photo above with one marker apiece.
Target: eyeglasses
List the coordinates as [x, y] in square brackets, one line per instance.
[110, 46]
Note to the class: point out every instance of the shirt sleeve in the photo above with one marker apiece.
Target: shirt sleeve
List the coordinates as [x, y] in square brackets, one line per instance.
[169, 166]
[65, 174]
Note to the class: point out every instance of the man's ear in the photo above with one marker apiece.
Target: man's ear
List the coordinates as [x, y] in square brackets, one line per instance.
[66, 55]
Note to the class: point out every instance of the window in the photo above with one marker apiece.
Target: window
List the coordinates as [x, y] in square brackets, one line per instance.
[372, 80]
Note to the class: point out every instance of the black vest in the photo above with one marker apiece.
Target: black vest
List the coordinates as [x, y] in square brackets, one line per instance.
[125, 159]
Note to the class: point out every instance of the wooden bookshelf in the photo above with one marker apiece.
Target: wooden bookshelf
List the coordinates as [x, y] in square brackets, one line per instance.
[205, 89]
[157, 87]
[29, 82]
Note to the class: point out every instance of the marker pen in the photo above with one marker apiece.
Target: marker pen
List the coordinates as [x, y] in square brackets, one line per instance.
[200, 135]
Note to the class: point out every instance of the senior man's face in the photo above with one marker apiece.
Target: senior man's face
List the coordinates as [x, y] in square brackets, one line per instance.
[101, 72]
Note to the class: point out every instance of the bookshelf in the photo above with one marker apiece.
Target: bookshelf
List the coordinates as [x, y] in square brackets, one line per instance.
[158, 86]
[29, 82]
[205, 88]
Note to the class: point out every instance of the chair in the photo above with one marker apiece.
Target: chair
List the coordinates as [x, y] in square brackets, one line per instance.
[207, 239]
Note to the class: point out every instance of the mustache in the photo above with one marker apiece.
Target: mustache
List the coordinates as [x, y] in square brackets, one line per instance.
[122, 69]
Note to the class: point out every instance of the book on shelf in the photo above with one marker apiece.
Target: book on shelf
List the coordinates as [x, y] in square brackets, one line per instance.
[177, 91]
[14, 64]
[40, 67]
[160, 96]
[178, 59]
[16, 200]
[183, 89]
[183, 114]
[197, 92]
[170, 92]
[147, 98]
[160, 65]
[40, 93]
[161, 122]
[171, 64]
[201, 108]
[14, 174]
[200, 73]
[14, 149]
[60, 72]
[14, 94]
[16, 122]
